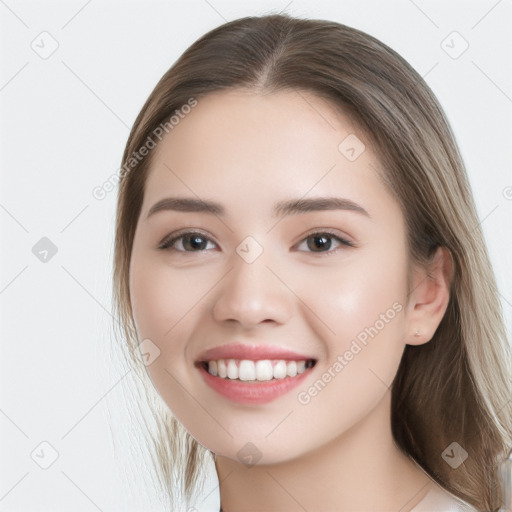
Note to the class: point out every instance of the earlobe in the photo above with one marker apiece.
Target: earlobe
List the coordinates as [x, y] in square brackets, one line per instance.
[429, 297]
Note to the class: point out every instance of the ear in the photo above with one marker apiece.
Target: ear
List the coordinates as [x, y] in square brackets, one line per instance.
[429, 297]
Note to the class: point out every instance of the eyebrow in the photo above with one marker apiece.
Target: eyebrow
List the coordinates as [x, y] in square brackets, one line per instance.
[281, 209]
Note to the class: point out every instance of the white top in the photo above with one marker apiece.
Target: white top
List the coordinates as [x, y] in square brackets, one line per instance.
[440, 500]
[436, 500]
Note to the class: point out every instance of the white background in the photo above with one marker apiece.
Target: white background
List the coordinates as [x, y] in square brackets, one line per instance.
[65, 120]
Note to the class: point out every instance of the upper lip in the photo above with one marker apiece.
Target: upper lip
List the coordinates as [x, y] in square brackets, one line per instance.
[254, 352]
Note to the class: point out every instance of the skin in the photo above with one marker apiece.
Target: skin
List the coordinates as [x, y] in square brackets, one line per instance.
[247, 151]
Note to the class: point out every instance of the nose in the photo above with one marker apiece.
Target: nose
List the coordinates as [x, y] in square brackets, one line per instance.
[253, 293]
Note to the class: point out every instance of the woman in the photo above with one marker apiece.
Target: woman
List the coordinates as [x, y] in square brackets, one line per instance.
[300, 264]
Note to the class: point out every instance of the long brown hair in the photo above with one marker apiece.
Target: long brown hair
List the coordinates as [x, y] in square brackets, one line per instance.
[455, 388]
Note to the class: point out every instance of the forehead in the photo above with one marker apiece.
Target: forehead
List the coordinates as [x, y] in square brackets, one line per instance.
[268, 120]
[258, 145]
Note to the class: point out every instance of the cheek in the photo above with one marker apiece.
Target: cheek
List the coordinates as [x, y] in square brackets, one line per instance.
[168, 305]
[159, 297]
[150, 304]
[357, 296]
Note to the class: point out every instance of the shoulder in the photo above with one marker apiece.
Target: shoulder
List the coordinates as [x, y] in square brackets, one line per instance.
[440, 500]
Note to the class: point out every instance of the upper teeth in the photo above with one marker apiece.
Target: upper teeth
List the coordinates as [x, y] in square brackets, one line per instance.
[246, 369]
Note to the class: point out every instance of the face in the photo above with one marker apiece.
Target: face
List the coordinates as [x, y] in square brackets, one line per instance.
[271, 321]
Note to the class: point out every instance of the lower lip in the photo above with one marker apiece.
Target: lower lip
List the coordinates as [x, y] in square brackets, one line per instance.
[252, 393]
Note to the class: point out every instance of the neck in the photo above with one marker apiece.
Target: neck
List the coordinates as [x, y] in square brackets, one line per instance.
[361, 470]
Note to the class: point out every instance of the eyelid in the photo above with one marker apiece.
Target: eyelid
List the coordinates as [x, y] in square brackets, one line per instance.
[169, 239]
[327, 231]
[345, 242]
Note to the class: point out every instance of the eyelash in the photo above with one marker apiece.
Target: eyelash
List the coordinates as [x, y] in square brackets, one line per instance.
[167, 244]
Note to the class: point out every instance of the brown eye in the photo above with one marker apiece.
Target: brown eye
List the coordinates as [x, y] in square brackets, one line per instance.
[319, 242]
[187, 242]
[322, 242]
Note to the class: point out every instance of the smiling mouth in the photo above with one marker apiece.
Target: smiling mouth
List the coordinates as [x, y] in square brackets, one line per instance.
[248, 370]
